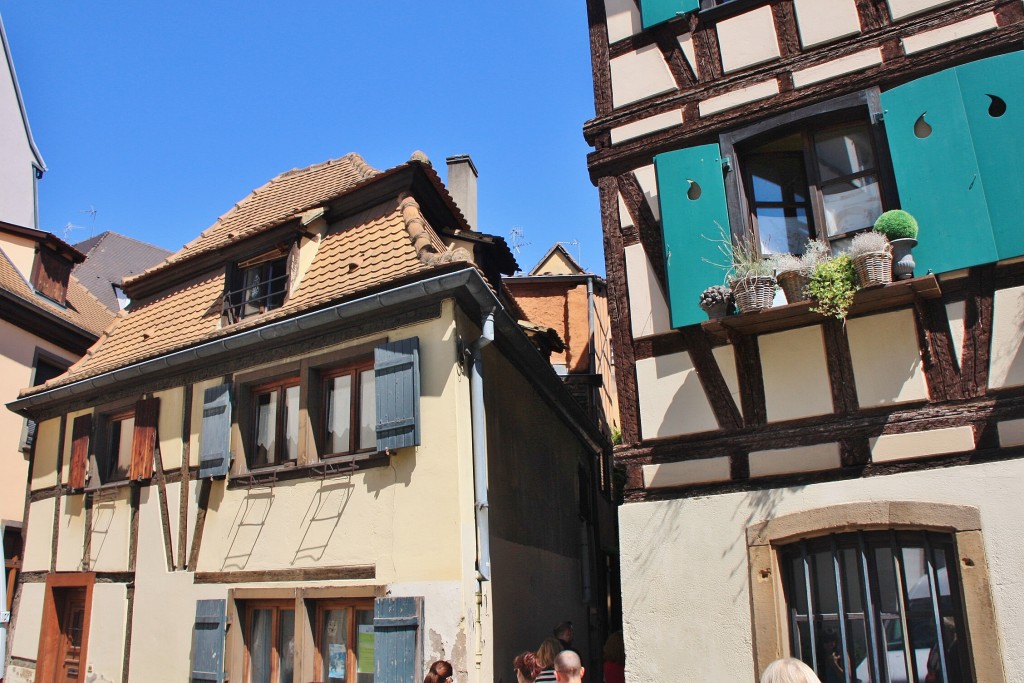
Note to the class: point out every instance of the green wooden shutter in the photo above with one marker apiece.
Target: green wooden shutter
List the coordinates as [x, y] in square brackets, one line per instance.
[993, 96]
[397, 381]
[657, 11]
[694, 218]
[398, 644]
[208, 641]
[215, 441]
[937, 173]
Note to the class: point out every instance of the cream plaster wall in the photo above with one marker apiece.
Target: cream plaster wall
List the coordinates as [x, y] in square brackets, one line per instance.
[672, 400]
[648, 307]
[683, 560]
[650, 124]
[738, 96]
[25, 640]
[20, 250]
[448, 633]
[822, 456]
[947, 34]
[1011, 433]
[71, 534]
[725, 356]
[105, 658]
[625, 219]
[38, 543]
[887, 364]
[168, 427]
[747, 39]
[44, 467]
[1006, 367]
[686, 473]
[955, 315]
[639, 74]
[647, 178]
[795, 374]
[110, 531]
[858, 61]
[899, 9]
[686, 44]
[820, 22]
[623, 18]
[910, 445]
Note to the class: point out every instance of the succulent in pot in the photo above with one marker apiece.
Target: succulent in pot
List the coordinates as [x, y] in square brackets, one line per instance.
[717, 301]
[872, 258]
[901, 228]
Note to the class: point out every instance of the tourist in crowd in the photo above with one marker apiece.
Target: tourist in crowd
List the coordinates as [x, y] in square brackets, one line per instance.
[526, 667]
[440, 672]
[546, 654]
[614, 659]
[568, 668]
[789, 670]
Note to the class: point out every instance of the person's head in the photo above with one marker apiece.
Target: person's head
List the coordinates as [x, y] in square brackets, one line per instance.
[526, 666]
[614, 649]
[789, 670]
[547, 652]
[568, 668]
[440, 672]
[564, 632]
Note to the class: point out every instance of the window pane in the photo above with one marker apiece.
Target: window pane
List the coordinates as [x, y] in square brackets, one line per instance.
[124, 448]
[260, 653]
[778, 178]
[334, 645]
[782, 230]
[365, 643]
[952, 624]
[291, 423]
[851, 204]
[844, 151]
[277, 283]
[339, 414]
[367, 410]
[253, 293]
[890, 618]
[920, 617]
[286, 645]
[266, 428]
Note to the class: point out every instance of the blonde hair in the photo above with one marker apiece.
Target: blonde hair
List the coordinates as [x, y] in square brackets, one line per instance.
[547, 652]
[789, 670]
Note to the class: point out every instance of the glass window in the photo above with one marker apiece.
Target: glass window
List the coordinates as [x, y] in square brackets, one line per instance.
[270, 642]
[114, 459]
[276, 423]
[345, 642]
[259, 285]
[350, 419]
[882, 607]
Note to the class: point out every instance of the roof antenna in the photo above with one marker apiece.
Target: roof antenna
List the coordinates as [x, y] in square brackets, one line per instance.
[574, 243]
[92, 211]
[518, 239]
[67, 231]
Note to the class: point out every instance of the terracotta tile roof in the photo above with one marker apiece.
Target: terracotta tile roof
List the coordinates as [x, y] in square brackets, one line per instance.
[82, 309]
[282, 198]
[388, 242]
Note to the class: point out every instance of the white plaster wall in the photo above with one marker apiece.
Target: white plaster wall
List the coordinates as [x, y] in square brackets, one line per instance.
[648, 307]
[795, 374]
[17, 177]
[887, 364]
[748, 39]
[820, 22]
[647, 178]
[168, 427]
[25, 640]
[955, 315]
[37, 543]
[44, 468]
[105, 658]
[899, 9]
[110, 531]
[623, 18]
[1006, 367]
[672, 400]
[639, 74]
[71, 534]
[684, 565]
[725, 356]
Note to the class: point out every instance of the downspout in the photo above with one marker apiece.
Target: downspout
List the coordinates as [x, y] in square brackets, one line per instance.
[5, 616]
[481, 506]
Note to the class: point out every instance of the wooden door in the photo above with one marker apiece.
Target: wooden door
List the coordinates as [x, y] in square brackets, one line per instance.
[72, 622]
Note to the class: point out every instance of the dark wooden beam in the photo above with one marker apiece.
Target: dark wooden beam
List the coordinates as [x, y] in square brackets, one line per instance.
[343, 573]
[977, 330]
[599, 57]
[165, 522]
[186, 457]
[712, 380]
[751, 376]
[840, 367]
[647, 227]
[197, 533]
[938, 355]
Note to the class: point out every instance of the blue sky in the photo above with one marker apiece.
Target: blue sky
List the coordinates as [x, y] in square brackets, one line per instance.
[160, 116]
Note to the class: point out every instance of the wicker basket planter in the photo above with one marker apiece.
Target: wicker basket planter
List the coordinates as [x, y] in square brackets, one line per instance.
[873, 268]
[753, 293]
[794, 285]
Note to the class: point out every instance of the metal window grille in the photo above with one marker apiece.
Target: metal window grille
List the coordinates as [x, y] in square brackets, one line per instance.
[883, 607]
[263, 288]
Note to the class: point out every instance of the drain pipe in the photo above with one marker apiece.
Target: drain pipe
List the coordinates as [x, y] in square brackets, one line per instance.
[476, 383]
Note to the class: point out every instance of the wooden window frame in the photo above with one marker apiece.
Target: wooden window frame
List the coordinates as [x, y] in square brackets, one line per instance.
[106, 444]
[353, 452]
[275, 661]
[351, 661]
[236, 299]
[279, 457]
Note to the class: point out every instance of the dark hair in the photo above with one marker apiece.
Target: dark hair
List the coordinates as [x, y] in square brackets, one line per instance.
[527, 665]
[439, 672]
[563, 629]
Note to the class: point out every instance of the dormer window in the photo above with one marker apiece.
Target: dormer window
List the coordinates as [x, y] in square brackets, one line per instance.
[50, 274]
[259, 285]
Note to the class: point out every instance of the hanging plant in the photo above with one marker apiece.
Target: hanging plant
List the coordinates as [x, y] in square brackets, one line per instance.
[832, 287]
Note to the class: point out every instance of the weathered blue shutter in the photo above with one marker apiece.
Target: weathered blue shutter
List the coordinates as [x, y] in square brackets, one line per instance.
[993, 98]
[937, 172]
[398, 646]
[657, 11]
[694, 223]
[215, 442]
[208, 641]
[397, 379]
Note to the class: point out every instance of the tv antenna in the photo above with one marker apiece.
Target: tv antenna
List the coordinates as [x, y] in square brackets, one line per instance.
[67, 231]
[92, 211]
[518, 239]
[573, 243]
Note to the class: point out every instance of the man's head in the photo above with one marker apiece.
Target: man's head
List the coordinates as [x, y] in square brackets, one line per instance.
[564, 632]
[568, 668]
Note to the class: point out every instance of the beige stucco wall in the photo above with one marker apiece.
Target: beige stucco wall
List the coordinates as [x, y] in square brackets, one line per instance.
[623, 17]
[37, 542]
[648, 306]
[639, 74]
[795, 374]
[677, 571]
[747, 39]
[20, 250]
[672, 400]
[105, 658]
[44, 467]
[905, 8]
[1006, 368]
[30, 620]
[887, 364]
[820, 22]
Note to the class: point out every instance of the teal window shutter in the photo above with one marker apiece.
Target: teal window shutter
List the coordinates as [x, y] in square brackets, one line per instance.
[993, 97]
[938, 174]
[658, 11]
[398, 641]
[208, 641]
[215, 441]
[694, 221]
[397, 379]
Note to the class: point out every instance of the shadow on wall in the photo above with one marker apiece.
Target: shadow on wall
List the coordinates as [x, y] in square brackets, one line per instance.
[102, 519]
[248, 525]
[322, 518]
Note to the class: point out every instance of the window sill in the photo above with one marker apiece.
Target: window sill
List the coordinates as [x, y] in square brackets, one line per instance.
[319, 470]
[790, 316]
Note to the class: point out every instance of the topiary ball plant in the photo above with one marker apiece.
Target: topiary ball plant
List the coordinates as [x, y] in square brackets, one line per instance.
[897, 224]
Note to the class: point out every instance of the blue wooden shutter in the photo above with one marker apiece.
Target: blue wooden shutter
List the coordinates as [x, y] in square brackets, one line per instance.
[657, 11]
[215, 442]
[694, 220]
[208, 641]
[993, 99]
[397, 379]
[398, 646]
[937, 173]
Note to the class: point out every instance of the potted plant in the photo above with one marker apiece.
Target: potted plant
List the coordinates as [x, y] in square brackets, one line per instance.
[794, 273]
[752, 276]
[832, 286]
[901, 229]
[872, 258]
[717, 301]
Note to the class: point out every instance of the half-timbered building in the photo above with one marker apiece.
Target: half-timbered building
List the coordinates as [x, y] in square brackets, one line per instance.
[844, 492]
[317, 446]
